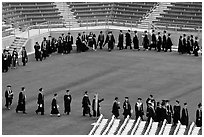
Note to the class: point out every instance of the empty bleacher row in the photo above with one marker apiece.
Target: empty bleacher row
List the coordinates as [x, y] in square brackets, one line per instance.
[22, 14]
[181, 15]
[138, 127]
[118, 13]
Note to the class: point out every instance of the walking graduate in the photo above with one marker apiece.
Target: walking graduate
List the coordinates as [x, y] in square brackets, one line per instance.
[40, 102]
[54, 106]
[67, 102]
[86, 104]
[116, 107]
[21, 101]
[96, 105]
[8, 96]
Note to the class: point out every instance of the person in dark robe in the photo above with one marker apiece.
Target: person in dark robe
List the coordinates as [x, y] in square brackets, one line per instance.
[8, 96]
[136, 41]
[120, 40]
[128, 40]
[164, 41]
[86, 105]
[188, 46]
[110, 40]
[37, 52]
[180, 45]
[78, 43]
[49, 46]
[145, 41]
[91, 40]
[177, 111]
[192, 43]
[184, 115]
[9, 59]
[116, 107]
[24, 56]
[184, 44]
[21, 101]
[67, 102]
[196, 47]
[159, 42]
[169, 112]
[63, 43]
[5, 61]
[53, 45]
[199, 115]
[158, 112]
[139, 112]
[40, 102]
[169, 43]
[150, 112]
[154, 41]
[94, 42]
[44, 48]
[163, 111]
[100, 39]
[126, 108]
[151, 99]
[54, 106]
[98, 106]
[69, 42]
[14, 58]
[84, 38]
[60, 45]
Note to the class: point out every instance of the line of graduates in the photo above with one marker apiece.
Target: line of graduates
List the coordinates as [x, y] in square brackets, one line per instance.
[158, 111]
[11, 60]
[188, 45]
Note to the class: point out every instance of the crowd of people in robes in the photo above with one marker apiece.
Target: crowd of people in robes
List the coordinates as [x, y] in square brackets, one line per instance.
[155, 110]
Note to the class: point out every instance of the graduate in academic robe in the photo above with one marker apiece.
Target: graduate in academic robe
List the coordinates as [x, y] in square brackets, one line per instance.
[163, 111]
[151, 99]
[91, 40]
[159, 42]
[128, 40]
[139, 112]
[49, 46]
[14, 58]
[184, 115]
[184, 44]
[177, 111]
[40, 102]
[158, 112]
[38, 54]
[24, 56]
[126, 108]
[150, 112]
[21, 101]
[145, 42]
[53, 45]
[79, 43]
[120, 40]
[196, 47]
[164, 41]
[154, 41]
[63, 43]
[69, 42]
[54, 106]
[84, 38]
[94, 42]
[86, 104]
[9, 59]
[169, 112]
[169, 43]
[116, 107]
[110, 40]
[44, 48]
[136, 41]
[98, 106]
[180, 45]
[5, 61]
[67, 102]
[192, 43]
[199, 115]
[188, 46]
[8, 96]
[60, 45]
[100, 39]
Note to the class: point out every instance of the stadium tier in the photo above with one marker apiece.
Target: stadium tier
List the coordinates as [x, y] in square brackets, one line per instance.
[181, 15]
[138, 127]
[29, 13]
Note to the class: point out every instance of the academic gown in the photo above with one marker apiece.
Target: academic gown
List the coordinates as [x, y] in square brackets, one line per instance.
[127, 109]
[158, 114]
[168, 43]
[136, 42]
[169, 113]
[196, 48]
[159, 43]
[4, 62]
[67, 103]
[199, 118]
[110, 40]
[176, 115]
[180, 46]
[85, 105]
[128, 40]
[163, 114]
[40, 103]
[150, 113]
[164, 42]
[54, 107]
[37, 51]
[9, 97]
[145, 42]
[98, 107]
[120, 41]
[139, 110]
[115, 109]
[184, 117]
[21, 102]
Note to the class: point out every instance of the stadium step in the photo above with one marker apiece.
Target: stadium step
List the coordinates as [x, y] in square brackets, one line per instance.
[18, 43]
[65, 12]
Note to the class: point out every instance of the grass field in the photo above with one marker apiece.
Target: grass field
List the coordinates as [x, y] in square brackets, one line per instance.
[117, 73]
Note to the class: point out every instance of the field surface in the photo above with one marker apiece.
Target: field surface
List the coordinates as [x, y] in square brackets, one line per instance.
[117, 73]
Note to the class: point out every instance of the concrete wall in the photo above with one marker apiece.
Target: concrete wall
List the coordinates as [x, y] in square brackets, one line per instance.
[7, 41]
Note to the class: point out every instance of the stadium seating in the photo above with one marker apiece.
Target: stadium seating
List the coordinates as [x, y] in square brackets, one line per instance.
[119, 13]
[22, 14]
[181, 15]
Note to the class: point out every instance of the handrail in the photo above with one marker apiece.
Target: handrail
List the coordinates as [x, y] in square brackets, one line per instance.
[109, 125]
[162, 128]
[136, 125]
[123, 125]
[148, 127]
[96, 124]
[177, 128]
[191, 128]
